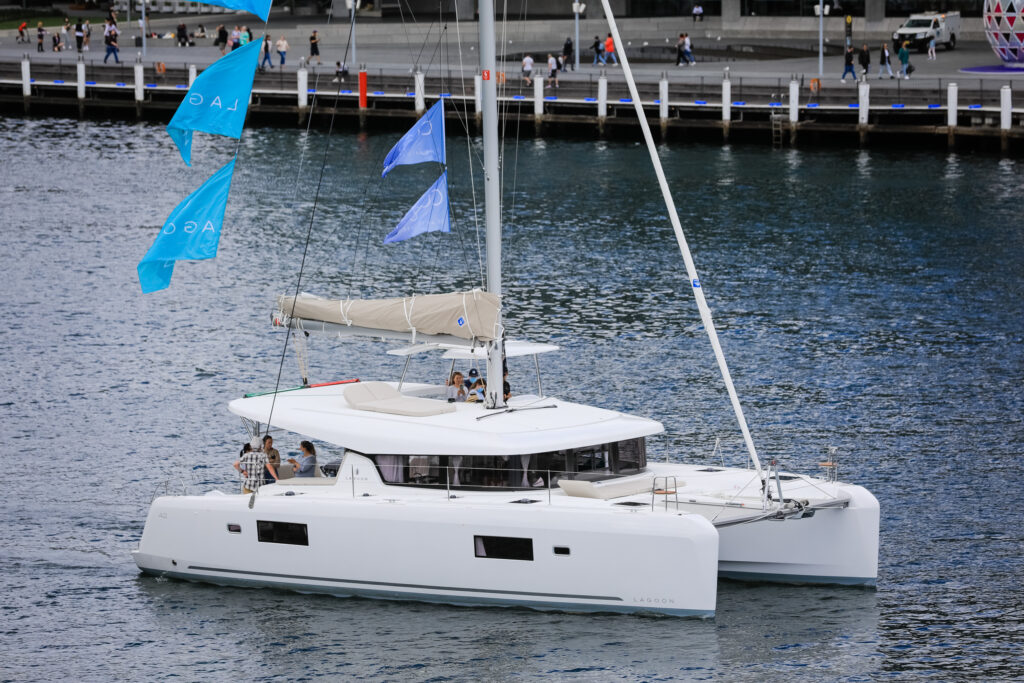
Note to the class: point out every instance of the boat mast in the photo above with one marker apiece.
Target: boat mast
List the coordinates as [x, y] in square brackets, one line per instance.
[492, 196]
[691, 269]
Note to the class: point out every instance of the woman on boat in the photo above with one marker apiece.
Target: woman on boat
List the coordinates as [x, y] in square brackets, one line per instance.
[456, 391]
[306, 465]
[270, 474]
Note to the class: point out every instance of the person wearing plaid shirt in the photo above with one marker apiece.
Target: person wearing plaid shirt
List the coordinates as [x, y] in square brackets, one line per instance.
[251, 463]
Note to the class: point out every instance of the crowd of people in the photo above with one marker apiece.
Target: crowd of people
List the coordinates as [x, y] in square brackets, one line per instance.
[863, 59]
[259, 463]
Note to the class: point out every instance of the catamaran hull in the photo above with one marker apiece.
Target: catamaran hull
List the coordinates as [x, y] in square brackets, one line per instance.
[836, 546]
[626, 561]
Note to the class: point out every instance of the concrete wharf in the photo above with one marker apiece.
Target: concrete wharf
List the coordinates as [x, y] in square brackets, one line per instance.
[774, 102]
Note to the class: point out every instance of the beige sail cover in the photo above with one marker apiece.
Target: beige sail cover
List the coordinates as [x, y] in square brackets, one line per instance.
[467, 315]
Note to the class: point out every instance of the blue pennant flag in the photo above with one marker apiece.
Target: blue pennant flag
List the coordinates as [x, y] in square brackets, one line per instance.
[218, 99]
[423, 142]
[261, 8]
[428, 214]
[192, 231]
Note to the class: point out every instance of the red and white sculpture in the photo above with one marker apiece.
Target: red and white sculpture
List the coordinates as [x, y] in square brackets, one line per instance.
[1004, 26]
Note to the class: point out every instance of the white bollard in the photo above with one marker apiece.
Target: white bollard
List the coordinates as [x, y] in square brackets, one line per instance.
[420, 86]
[951, 105]
[140, 93]
[602, 96]
[1005, 108]
[726, 100]
[538, 95]
[863, 102]
[302, 87]
[191, 74]
[80, 67]
[478, 84]
[26, 77]
[663, 98]
[794, 101]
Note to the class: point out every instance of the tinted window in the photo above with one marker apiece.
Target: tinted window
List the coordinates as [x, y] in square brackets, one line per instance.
[503, 547]
[282, 532]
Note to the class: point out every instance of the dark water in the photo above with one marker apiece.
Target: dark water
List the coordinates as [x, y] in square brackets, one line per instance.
[866, 300]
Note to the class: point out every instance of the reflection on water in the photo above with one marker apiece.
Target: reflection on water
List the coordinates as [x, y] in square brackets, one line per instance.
[883, 316]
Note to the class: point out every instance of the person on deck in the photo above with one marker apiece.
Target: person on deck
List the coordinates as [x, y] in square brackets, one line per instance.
[477, 391]
[251, 463]
[270, 471]
[305, 466]
[474, 375]
[456, 392]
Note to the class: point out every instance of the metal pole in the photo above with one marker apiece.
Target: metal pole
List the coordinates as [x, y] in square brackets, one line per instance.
[821, 38]
[352, 33]
[143, 28]
[576, 45]
[677, 228]
[492, 196]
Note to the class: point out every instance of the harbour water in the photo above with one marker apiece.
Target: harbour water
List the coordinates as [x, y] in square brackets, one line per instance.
[866, 300]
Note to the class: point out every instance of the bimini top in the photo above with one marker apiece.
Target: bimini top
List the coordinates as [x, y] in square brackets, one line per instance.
[457, 317]
[324, 413]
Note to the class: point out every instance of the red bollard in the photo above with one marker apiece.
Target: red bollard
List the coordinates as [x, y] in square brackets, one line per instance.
[362, 88]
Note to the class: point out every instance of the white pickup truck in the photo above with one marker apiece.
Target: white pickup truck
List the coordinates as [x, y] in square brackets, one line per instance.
[919, 29]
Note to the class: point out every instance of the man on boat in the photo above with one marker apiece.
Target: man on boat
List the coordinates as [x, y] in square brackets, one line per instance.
[251, 462]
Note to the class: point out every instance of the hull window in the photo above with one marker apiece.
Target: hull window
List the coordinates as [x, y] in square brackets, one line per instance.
[503, 547]
[234, 528]
[561, 550]
[282, 532]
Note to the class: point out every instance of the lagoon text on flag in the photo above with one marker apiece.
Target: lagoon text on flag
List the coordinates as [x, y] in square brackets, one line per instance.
[191, 232]
[218, 99]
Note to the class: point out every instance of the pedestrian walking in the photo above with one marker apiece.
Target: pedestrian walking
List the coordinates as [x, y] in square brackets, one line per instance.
[79, 34]
[598, 48]
[40, 36]
[552, 71]
[282, 49]
[528, 69]
[244, 37]
[931, 48]
[609, 50]
[314, 47]
[680, 60]
[904, 56]
[848, 64]
[885, 61]
[222, 39]
[266, 50]
[88, 35]
[110, 40]
[688, 51]
[236, 38]
[864, 58]
[65, 40]
[22, 35]
[567, 53]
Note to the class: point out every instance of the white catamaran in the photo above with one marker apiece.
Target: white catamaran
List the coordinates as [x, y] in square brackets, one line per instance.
[529, 500]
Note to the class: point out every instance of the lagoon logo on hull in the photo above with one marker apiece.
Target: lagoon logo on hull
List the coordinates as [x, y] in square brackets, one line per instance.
[654, 601]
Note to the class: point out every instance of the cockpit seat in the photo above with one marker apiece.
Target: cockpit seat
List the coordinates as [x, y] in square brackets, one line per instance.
[379, 397]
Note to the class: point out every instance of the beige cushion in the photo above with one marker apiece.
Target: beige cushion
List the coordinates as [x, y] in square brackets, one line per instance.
[604, 490]
[379, 397]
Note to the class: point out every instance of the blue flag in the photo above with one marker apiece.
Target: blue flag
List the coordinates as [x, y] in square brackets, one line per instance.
[423, 142]
[218, 99]
[428, 214]
[261, 8]
[191, 232]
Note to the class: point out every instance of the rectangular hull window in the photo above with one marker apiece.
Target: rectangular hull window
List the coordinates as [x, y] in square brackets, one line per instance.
[503, 547]
[282, 532]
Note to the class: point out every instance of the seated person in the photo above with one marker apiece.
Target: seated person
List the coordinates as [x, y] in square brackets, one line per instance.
[474, 375]
[476, 392]
[305, 466]
[456, 391]
[506, 388]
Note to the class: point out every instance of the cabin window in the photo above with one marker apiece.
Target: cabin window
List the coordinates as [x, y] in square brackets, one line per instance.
[282, 532]
[503, 547]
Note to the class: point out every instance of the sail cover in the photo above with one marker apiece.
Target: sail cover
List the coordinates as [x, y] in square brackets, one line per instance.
[467, 315]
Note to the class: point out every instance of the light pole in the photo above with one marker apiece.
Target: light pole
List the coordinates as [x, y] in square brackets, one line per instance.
[352, 31]
[578, 8]
[821, 38]
[143, 20]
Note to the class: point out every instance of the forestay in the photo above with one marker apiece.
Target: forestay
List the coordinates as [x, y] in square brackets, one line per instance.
[472, 315]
